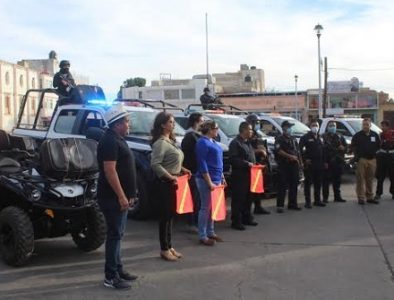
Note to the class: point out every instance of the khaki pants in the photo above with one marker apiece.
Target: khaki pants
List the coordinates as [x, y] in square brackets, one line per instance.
[365, 175]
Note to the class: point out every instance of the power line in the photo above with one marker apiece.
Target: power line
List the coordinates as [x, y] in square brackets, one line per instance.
[363, 70]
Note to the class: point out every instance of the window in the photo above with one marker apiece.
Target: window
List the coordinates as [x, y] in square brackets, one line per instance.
[188, 94]
[171, 94]
[66, 121]
[7, 78]
[140, 95]
[342, 129]
[21, 81]
[93, 119]
[33, 83]
[33, 106]
[7, 105]
[268, 128]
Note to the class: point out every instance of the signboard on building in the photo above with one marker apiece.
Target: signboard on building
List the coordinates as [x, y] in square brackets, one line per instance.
[352, 85]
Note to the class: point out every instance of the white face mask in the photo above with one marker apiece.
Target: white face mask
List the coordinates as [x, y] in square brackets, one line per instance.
[315, 129]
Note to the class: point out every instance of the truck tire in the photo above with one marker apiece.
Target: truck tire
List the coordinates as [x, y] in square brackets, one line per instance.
[16, 236]
[92, 233]
[141, 209]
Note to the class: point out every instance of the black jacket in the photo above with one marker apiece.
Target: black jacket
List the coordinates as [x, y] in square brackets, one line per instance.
[189, 150]
[64, 82]
[331, 143]
[241, 153]
[311, 147]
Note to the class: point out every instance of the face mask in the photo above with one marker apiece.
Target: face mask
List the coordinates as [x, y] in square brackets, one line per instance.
[257, 127]
[315, 129]
[289, 130]
[332, 129]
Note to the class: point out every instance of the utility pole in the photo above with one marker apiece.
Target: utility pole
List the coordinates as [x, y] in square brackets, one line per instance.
[206, 46]
[325, 87]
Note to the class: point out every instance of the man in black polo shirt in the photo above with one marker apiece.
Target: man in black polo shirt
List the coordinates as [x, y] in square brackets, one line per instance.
[242, 158]
[365, 144]
[116, 192]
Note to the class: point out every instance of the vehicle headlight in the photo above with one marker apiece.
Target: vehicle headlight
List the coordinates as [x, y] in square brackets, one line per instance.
[93, 188]
[35, 195]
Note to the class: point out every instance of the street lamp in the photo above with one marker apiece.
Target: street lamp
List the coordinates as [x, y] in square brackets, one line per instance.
[296, 96]
[318, 28]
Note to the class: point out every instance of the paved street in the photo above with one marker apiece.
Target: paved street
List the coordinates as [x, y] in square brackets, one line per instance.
[344, 251]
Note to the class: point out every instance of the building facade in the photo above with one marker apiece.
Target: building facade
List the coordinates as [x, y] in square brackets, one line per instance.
[363, 103]
[17, 79]
[182, 92]
[245, 80]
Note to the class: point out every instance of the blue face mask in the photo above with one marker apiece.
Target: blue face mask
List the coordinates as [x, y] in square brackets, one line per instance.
[257, 127]
[332, 129]
[289, 130]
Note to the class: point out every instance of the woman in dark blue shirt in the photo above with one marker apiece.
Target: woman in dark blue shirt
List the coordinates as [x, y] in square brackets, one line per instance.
[209, 175]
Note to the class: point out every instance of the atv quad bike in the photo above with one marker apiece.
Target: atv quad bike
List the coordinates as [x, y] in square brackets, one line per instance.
[47, 194]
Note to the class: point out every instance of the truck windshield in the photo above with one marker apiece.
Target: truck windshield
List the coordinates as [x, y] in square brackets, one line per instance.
[141, 123]
[357, 126]
[298, 128]
[230, 125]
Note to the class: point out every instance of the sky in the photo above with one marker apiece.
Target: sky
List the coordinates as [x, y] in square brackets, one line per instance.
[110, 41]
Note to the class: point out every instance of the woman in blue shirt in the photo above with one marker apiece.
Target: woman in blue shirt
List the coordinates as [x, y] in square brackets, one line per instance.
[209, 175]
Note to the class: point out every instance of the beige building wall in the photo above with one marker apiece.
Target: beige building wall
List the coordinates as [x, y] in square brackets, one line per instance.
[16, 79]
[246, 80]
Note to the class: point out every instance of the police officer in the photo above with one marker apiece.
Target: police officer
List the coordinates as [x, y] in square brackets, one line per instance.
[63, 80]
[311, 147]
[288, 157]
[385, 159]
[260, 152]
[242, 158]
[206, 99]
[334, 161]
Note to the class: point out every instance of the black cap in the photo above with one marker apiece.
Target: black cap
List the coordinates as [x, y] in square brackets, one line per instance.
[287, 124]
[206, 89]
[252, 118]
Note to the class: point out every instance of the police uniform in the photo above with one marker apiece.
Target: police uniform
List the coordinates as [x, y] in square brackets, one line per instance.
[334, 158]
[385, 162]
[258, 143]
[241, 154]
[288, 171]
[311, 147]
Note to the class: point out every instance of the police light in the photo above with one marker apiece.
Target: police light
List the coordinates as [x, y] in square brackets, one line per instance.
[101, 102]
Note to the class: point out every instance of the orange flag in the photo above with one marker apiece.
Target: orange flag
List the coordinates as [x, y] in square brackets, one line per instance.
[257, 179]
[218, 204]
[184, 200]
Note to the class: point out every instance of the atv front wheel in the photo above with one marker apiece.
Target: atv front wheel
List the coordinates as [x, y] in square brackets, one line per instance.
[91, 234]
[16, 236]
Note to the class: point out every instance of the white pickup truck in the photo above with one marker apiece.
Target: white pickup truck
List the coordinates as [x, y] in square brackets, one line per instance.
[43, 115]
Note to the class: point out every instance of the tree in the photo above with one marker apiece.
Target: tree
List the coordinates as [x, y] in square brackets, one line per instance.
[137, 81]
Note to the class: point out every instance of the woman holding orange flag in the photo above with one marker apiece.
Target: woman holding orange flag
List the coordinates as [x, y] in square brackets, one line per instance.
[209, 175]
[166, 162]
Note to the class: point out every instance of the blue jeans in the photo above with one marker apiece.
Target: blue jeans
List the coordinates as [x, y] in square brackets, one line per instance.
[116, 224]
[205, 222]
